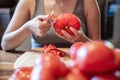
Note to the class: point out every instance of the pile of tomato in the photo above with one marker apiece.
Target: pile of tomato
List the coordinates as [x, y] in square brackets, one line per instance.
[97, 60]
[94, 60]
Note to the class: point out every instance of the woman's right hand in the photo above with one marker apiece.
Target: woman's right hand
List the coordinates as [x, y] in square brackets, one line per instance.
[39, 25]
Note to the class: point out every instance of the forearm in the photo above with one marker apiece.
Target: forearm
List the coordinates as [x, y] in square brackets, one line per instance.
[13, 39]
[91, 36]
[93, 19]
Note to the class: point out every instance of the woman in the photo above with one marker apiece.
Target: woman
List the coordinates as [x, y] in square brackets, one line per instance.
[29, 18]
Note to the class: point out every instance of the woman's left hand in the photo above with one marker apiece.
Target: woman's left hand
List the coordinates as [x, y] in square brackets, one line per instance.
[78, 36]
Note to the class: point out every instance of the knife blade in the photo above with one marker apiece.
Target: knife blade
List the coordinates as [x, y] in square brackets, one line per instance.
[50, 15]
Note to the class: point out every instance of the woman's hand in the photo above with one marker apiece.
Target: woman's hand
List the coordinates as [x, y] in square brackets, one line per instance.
[78, 36]
[39, 25]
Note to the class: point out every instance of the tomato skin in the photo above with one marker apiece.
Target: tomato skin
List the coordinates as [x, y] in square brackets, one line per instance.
[75, 74]
[95, 57]
[117, 55]
[66, 20]
[49, 66]
[73, 49]
[80, 76]
[23, 73]
[106, 76]
[42, 73]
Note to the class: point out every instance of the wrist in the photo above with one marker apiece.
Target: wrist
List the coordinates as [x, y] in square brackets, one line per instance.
[27, 28]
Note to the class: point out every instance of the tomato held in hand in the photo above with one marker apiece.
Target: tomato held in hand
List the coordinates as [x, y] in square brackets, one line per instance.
[95, 57]
[66, 20]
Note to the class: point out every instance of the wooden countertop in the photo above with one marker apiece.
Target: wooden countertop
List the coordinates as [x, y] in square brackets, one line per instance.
[7, 60]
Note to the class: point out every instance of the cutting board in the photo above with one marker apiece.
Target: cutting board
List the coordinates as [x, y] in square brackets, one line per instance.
[28, 59]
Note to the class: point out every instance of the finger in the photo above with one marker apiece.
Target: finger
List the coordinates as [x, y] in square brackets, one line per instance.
[36, 31]
[60, 35]
[74, 31]
[42, 32]
[66, 34]
[64, 37]
[44, 25]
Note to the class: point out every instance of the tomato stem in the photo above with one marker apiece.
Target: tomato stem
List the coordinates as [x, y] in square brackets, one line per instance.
[66, 27]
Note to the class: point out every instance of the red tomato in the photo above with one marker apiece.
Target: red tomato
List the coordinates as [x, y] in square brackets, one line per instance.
[66, 20]
[117, 73]
[80, 76]
[108, 76]
[42, 73]
[95, 57]
[49, 67]
[23, 73]
[74, 69]
[73, 49]
[46, 48]
[117, 54]
[52, 49]
[75, 74]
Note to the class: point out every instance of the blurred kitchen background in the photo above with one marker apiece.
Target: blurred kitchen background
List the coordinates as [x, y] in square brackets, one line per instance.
[110, 20]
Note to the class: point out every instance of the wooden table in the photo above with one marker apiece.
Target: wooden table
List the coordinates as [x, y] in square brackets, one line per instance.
[7, 60]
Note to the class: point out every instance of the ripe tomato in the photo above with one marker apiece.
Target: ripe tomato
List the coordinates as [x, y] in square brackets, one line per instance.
[52, 49]
[49, 67]
[117, 73]
[95, 57]
[106, 76]
[23, 73]
[42, 73]
[75, 74]
[80, 76]
[66, 20]
[73, 49]
[117, 55]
